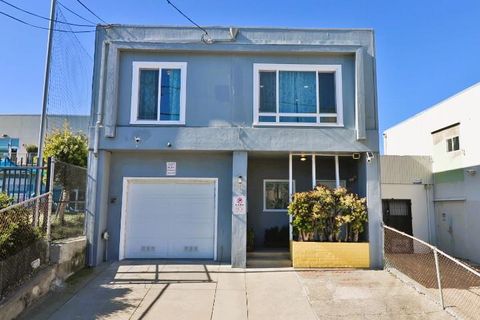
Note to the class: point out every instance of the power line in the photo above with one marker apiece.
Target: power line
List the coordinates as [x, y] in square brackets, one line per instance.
[206, 39]
[44, 28]
[83, 5]
[45, 18]
[74, 13]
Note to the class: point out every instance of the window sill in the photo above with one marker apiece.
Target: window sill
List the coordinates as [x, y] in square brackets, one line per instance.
[286, 124]
[157, 123]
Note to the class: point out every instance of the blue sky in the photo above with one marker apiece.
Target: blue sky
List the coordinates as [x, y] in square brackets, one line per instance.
[426, 50]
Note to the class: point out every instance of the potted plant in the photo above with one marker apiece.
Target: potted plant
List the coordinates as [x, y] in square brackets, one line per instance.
[327, 225]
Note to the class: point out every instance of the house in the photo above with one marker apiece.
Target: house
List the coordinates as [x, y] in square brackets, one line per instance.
[198, 139]
[447, 133]
[20, 130]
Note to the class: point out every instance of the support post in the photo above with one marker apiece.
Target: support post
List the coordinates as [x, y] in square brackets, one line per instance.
[290, 194]
[50, 205]
[239, 215]
[314, 171]
[439, 279]
[337, 172]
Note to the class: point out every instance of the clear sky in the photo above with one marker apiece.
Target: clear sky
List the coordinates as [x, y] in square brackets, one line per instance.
[427, 50]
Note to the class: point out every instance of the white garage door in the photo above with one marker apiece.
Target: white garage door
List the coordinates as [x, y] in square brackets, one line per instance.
[169, 218]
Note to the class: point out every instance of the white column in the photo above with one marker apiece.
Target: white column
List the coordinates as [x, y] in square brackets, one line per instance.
[290, 192]
[337, 172]
[314, 172]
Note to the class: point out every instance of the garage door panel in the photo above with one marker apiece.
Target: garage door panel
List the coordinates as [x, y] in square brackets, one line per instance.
[170, 219]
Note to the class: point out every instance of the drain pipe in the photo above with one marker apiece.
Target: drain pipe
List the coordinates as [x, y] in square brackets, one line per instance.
[99, 116]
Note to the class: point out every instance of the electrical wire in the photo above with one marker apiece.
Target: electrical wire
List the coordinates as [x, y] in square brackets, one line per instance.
[74, 13]
[93, 13]
[44, 28]
[45, 18]
[205, 37]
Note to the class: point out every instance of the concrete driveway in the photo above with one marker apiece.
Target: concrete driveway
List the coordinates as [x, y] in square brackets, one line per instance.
[205, 290]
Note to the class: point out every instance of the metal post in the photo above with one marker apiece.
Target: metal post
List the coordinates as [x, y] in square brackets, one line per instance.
[290, 193]
[314, 172]
[43, 118]
[437, 267]
[337, 172]
[50, 205]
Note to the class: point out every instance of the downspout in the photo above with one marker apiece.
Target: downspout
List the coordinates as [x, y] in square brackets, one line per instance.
[99, 115]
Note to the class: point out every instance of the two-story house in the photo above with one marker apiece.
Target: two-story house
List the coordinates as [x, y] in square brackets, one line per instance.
[198, 140]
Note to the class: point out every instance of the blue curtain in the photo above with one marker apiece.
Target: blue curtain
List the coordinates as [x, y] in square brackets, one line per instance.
[148, 95]
[268, 92]
[298, 93]
[170, 95]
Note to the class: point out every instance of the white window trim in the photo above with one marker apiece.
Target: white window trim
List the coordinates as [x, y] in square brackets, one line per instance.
[451, 138]
[335, 68]
[137, 66]
[265, 181]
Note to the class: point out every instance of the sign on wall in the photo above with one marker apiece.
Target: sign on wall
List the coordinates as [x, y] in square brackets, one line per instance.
[239, 205]
[171, 168]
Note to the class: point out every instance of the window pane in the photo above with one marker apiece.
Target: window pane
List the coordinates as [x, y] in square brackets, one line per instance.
[449, 145]
[148, 95]
[456, 143]
[266, 119]
[299, 119]
[326, 93]
[268, 92]
[298, 93]
[170, 95]
[276, 195]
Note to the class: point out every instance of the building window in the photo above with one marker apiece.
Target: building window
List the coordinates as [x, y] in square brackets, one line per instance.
[453, 144]
[275, 195]
[291, 94]
[158, 93]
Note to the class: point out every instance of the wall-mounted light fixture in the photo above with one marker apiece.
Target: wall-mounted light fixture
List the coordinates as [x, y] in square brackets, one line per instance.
[240, 180]
[303, 158]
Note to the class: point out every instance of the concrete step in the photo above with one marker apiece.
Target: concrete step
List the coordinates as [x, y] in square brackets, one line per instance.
[269, 259]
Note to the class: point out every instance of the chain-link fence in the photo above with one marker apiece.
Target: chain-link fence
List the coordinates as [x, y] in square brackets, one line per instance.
[24, 238]
[69, 189]
[454, 284]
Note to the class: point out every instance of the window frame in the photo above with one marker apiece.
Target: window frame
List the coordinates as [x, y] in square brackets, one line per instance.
[265, 181]
[451, 139]
[154, 65]
[317, 68]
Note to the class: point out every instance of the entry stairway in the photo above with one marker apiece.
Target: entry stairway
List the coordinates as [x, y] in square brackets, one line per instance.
[269, 258]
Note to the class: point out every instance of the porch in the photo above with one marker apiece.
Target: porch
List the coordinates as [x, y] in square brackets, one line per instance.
[273, 178]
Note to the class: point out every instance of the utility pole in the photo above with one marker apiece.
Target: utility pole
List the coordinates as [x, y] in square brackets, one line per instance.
[43, 117]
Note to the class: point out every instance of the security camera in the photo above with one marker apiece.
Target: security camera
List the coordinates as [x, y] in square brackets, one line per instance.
[137, 139]
[370, 156]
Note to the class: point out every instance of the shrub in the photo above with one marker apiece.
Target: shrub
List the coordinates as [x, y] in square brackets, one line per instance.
[325, 214]
[16, 230]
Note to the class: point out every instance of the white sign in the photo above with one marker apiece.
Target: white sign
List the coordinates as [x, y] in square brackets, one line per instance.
[171, 168]
[239, 205]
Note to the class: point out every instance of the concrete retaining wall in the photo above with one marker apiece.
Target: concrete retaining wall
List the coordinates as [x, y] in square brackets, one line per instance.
[66, 257]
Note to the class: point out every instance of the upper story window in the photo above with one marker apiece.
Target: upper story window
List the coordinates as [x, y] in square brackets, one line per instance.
[297, 94]
[158, 93]
[453, 144]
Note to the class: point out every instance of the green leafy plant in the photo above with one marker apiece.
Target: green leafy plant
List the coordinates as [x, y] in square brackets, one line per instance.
[5, 200]
[31, 148]
[326, 214]
[70, 148]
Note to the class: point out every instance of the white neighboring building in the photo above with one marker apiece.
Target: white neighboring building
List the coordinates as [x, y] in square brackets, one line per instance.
[448, 133]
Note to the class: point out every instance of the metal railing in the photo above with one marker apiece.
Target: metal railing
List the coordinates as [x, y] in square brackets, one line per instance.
[451, 282]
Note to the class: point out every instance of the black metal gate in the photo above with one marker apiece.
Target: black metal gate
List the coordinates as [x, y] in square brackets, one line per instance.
[397, 213]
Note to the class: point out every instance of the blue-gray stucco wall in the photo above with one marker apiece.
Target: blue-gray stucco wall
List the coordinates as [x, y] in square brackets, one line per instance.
[220, 86]
[189, 164]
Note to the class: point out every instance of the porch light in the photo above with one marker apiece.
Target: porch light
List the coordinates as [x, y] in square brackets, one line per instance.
[239, 180]
[303, 158]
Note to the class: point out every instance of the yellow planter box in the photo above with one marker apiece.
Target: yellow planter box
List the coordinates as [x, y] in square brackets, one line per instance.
[330, 254]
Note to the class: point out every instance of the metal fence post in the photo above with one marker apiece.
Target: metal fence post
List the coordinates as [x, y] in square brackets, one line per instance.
[439, 280]
[51, 172]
